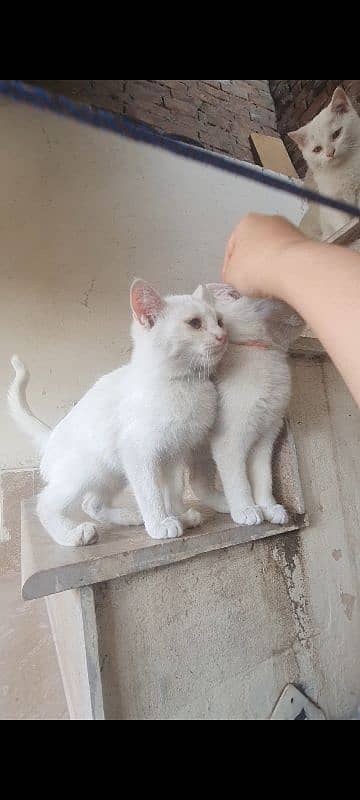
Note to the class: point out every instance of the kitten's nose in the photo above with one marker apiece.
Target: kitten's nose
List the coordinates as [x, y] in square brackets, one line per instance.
[222, 338]
[331, 153]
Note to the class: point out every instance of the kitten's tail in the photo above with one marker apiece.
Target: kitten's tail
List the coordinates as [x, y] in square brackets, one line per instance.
[19, 408]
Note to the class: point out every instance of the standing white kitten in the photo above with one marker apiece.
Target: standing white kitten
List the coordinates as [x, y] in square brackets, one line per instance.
[330, 145]
[254, 387]
[136, 424]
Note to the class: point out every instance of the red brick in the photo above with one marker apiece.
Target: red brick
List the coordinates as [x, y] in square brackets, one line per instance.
[215, 114]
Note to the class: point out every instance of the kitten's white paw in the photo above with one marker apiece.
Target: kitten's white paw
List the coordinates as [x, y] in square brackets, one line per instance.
[191, 519]
[277, 515]
[83, 535]
[252, 515]
[170, 528]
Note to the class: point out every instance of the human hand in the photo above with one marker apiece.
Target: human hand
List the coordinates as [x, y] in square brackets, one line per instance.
[254, 255]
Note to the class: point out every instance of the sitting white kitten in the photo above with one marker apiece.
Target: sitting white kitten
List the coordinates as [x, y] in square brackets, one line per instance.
[330, 145]
[136, 424]
[254, 387]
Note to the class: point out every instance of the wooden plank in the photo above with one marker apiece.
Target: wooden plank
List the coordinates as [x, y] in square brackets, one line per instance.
[271, 154]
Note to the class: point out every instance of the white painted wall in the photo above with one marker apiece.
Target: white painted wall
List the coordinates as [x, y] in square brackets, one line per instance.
[81, 214]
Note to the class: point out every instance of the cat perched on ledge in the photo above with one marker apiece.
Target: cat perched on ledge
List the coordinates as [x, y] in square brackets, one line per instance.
[254, 388]
[137, 425]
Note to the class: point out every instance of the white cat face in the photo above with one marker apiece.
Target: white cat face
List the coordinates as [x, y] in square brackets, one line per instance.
[332, 136]
[248, 318]
[186, 330]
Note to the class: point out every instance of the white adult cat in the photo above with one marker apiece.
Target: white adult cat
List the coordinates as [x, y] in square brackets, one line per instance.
[254, 386]
[330, 145]
[136, 424]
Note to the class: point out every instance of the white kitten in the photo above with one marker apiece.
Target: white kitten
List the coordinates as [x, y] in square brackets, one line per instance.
[254, 386]
[330, 145]
[137, 424]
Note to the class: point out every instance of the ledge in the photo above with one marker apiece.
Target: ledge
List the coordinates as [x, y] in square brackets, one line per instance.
[48, 569]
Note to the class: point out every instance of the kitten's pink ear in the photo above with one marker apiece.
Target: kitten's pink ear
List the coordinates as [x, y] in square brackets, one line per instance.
[146, 303]
[340, 103]
[299, 137]
[223, 292]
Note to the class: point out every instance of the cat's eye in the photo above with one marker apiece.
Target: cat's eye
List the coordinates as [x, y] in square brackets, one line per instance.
[195, 323]
[220, 322]
[317, 149]
[337, 134]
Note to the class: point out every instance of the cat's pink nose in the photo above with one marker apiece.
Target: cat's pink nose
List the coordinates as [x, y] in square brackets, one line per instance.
[331, 153]
[222, 338]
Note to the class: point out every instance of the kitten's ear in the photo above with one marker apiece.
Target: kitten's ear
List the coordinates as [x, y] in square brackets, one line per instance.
[299, 137]
[340, 103]
[223, 292]
[146, 303]
[202, 293]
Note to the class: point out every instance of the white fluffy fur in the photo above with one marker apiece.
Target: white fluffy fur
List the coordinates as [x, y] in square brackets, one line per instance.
[254, 387]
[137, 424]
[334, 163]
[27, 422]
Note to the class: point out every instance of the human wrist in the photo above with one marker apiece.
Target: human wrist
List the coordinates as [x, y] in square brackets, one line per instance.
[290, 267]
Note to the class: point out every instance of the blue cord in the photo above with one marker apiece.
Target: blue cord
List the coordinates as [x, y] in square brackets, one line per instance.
[140, 132]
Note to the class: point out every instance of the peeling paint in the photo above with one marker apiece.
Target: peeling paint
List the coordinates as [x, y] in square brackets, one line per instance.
[87, 294]
[4, 534]
[337, 555]
[348, 601]
[47, 137]
[287, 555]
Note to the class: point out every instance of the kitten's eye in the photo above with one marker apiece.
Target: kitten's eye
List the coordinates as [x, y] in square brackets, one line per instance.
[337, 134]
[317, 149]
[220, 322]
[195, 323]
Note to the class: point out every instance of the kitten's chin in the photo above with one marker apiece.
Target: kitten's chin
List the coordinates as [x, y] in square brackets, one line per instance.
[208, 366]
[334, 163]
[207, 363]
[216, 358]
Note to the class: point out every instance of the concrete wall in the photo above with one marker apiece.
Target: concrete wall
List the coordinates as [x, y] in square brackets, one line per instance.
[219, 637]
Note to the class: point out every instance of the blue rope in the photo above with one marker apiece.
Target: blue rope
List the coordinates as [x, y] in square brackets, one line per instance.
[140, 132]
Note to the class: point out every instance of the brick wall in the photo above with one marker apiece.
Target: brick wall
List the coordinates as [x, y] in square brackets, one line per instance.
[218, 115]
[298, 102]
